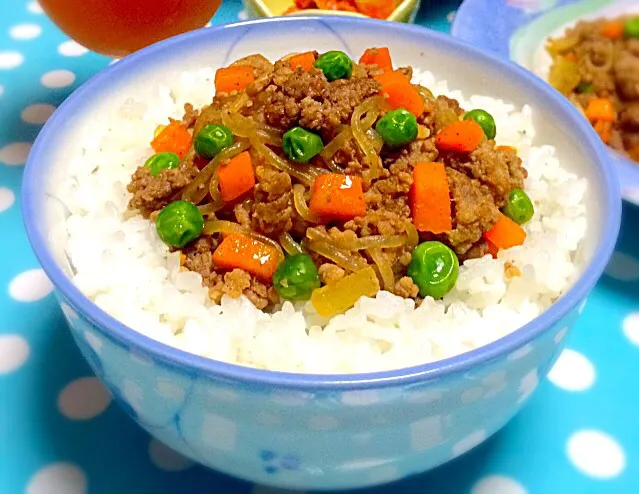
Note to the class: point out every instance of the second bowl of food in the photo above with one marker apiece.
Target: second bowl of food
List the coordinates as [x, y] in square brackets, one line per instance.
[588, 50]
[349, 265]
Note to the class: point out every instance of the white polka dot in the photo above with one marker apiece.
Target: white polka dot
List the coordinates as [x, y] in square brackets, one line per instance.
[427, 396]
[426, 433]
[25, 31]
[291, 399]
[497, 484]
[14, 351]
[242, 15]
[1, 89]
[166, 458]
[83, 399]
[58, 478]
[30, 286]
[596, 454]
[71, 48]
[69, 313]
[520, 352]
[572, 371]
[15, 153]
[94, 342]
[7, 198]
[469, 442]
[360, 398]
[10, 59]
[561, 334]
[58, 78]
[527, 385]
[268, 419]
[363, 437]
[582, 306]
[450, 16]
[38, 113]
[223, 394]
[114, 61]
[623, 267]
[140, 359]
[132, 393]
[631, 327]
[472, 394]
[219, 432]
[323, 423]
[35, 8]
[169, 390]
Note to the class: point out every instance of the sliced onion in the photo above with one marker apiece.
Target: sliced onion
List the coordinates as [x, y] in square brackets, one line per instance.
[340, 257]
[385, 269]
[301, 207]
[290, 245]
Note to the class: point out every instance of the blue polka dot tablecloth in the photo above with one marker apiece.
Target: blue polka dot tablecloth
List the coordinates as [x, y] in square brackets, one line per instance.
[60, 433]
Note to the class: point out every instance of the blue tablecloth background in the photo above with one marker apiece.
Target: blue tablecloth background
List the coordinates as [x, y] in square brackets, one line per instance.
[60, 433]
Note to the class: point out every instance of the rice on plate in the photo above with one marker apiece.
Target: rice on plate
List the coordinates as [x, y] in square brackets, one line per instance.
[120, 263]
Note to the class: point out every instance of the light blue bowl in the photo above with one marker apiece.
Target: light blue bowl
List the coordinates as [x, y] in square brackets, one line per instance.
[317, 431]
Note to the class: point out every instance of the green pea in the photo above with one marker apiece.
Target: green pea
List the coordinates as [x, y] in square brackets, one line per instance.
[300, 145]
[519, 207]
[335, 65]
[162, 161]
[434, 268]
[296, 277]
[179, 223]
[485, 121]
[397, 127]
[631, 28]
[585, 88]
[212, 139]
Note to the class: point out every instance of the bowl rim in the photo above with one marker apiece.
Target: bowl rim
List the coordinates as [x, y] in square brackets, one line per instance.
[187, 363]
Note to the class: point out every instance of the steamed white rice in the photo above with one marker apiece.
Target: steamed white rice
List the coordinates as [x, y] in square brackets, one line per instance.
[124, 267]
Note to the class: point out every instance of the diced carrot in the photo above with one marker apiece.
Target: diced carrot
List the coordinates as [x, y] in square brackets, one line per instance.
[507, 149]
[304, 60]
[377, 56]
[430, 198]
[505, 234]
[379, 9]
[344, 5]
[234, 78]
[174, 138]
[571, 57]
[243, 252]
[600, 109]
[305, 4]
[400, 93]
[236, 177]
[604, 129]
[337, 196]
[492, 249]
[462, 137]
[612, 30]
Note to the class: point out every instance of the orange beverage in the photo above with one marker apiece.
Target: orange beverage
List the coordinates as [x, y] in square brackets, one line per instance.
[119, 27]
